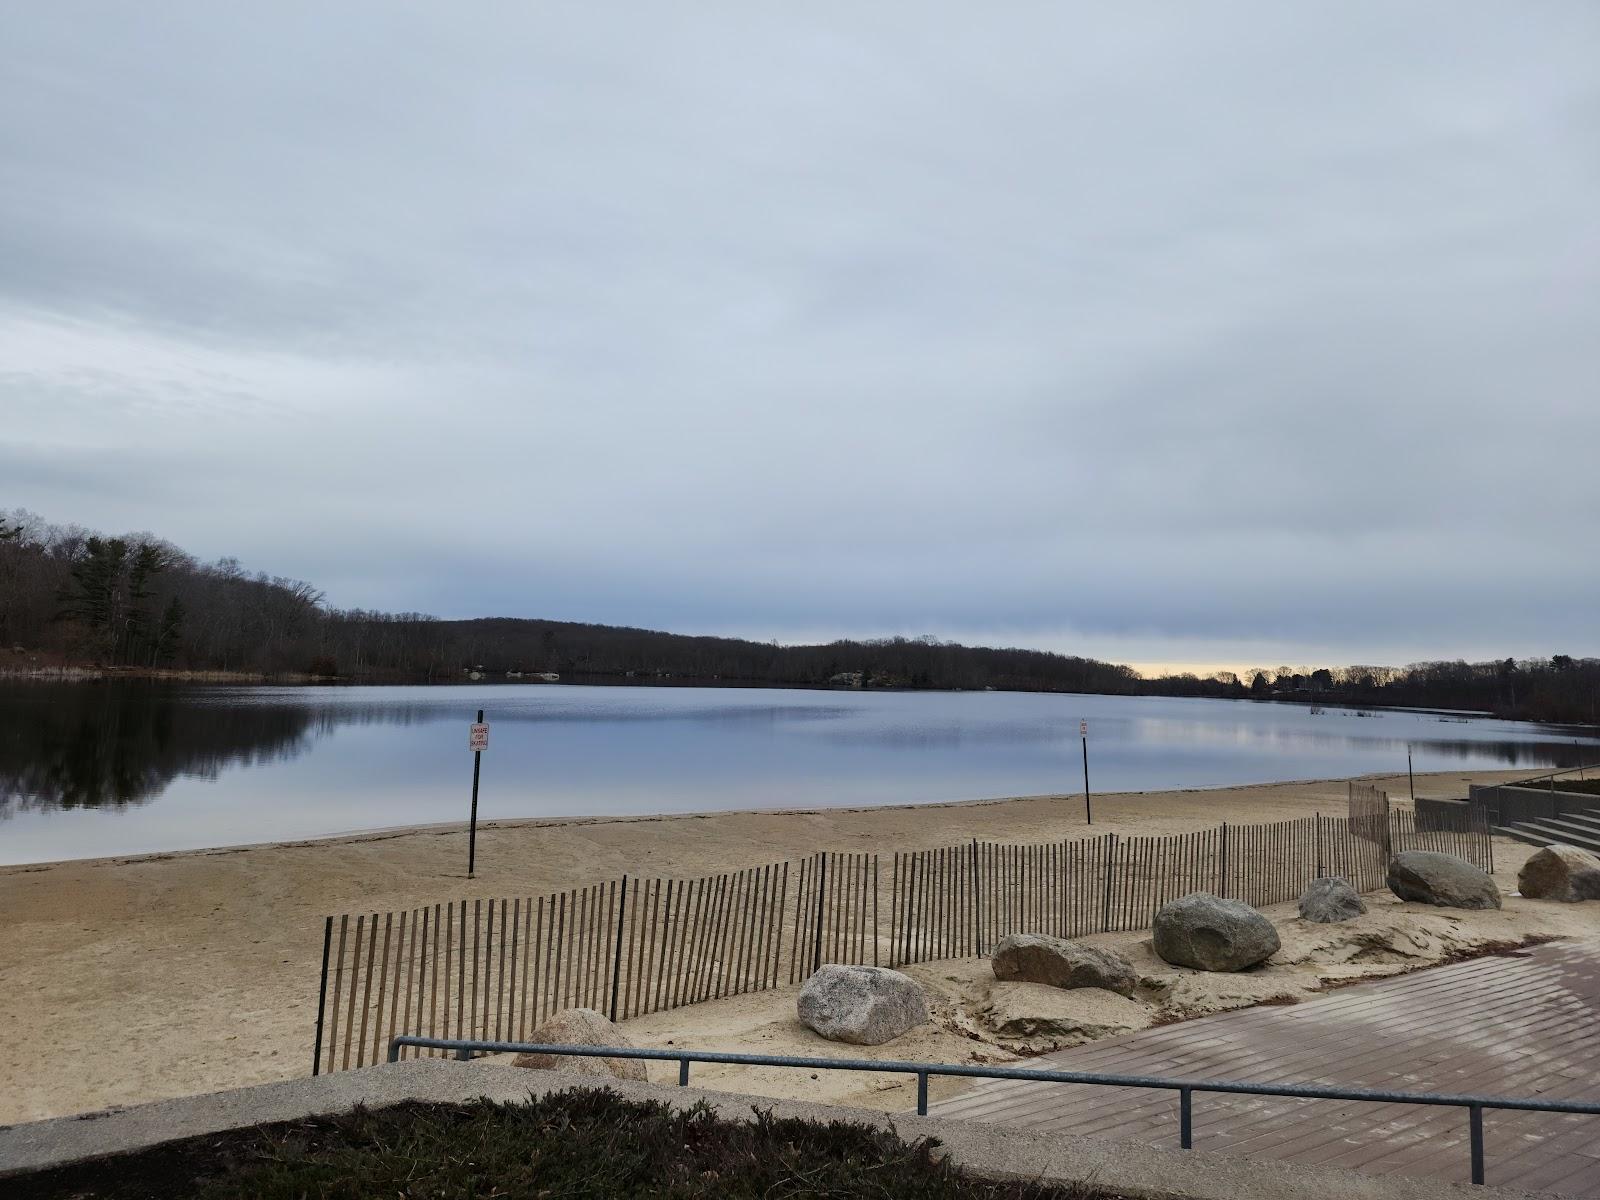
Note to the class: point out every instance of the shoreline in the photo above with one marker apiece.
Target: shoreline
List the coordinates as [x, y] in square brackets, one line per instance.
[441, 828]
[146, 977]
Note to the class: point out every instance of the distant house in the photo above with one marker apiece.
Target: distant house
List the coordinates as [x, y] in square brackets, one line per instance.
[846, 679]
[547, 676]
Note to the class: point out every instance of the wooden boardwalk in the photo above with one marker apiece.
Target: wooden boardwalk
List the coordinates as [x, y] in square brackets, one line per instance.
[1526, 1024]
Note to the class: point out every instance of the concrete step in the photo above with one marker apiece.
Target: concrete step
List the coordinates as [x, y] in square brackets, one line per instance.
[1569, 828]
[1523, 833]
[1589, 820]
[1546, 833]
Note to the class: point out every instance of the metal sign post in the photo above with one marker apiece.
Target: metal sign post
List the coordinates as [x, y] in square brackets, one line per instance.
[1410, 778]
[1088, 812]
[477, 742]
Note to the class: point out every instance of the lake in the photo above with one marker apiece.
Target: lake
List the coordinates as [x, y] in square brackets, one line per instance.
[92, 769]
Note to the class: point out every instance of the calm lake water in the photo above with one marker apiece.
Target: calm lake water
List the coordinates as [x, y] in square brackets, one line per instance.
[92, 769]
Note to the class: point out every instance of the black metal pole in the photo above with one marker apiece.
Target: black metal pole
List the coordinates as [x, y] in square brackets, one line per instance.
[822, 879]
[1088, 812]
[977, 903]
[472, 833]
[322, 995]
[616, 961]
[1410, 778]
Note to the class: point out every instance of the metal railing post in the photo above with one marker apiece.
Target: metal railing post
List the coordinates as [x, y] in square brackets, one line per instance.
[922, 1093]
[1186, 1118]
[1475, 1119]
[683, 1072]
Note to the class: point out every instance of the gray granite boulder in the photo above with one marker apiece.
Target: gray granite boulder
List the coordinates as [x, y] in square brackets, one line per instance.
[1562, 873]
[1330, 899]
[582, 1027]
[1212, 934]
[1040, 958]
[1430, 877]
[865, 1006]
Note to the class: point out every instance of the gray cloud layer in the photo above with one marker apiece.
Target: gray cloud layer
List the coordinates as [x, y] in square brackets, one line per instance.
[1158, 331]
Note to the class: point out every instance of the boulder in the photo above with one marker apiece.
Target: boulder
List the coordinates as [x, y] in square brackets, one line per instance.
[1430, 877]
[865, 1006]
[1037, 1011]
[582, 1027]
[1040, 958]
[1212, 934]
[1562, 873]
[1330, 899]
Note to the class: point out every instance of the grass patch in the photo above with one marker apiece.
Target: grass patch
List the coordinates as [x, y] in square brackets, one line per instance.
[579, 1143]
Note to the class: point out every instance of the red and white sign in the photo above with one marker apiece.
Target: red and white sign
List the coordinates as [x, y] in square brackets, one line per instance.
[478, 737]
[1083, 729]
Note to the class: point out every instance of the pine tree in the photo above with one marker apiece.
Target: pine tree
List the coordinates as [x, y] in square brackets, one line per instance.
[169, 632]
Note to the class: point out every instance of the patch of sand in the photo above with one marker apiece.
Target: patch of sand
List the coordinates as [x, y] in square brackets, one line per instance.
[125, 980]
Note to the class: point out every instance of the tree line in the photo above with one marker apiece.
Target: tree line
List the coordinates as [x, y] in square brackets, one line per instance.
[1560, 689]
[70, 596]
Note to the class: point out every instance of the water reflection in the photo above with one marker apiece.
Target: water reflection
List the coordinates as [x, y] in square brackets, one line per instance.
[113, 744]
[122, 767]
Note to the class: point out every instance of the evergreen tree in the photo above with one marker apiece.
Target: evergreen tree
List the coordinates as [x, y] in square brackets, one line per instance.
[169, 633]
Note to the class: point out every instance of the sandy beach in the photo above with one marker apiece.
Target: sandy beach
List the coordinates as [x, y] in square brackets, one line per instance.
[140, 978]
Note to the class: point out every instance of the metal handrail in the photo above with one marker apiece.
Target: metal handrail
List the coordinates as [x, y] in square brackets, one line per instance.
[1552, 775]
[465, 1048]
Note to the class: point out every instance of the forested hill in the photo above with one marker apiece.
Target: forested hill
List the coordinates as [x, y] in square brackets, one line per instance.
[69, 596]
[72, 597]
[500, 644]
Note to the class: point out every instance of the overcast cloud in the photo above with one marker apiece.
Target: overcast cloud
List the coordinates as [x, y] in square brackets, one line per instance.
[1163, 332]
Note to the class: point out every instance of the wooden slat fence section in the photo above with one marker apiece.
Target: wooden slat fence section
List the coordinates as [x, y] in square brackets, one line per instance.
[837, 915]
[496, 969]
[1369, 811]
[1349, 851]
[1462, 830]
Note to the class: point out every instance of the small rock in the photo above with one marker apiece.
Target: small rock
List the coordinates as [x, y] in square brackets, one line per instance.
[1330, 899]
[582, 1027]
[1562, 873]
[1040, 958]
[1430, 877]
[1030, 1011]
[1212, 934]
[865, 1006]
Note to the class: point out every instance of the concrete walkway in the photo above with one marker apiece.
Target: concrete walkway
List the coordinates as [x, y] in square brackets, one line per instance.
[1527, 1024]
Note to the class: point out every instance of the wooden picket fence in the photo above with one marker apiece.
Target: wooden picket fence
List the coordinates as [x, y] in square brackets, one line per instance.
[495, 969]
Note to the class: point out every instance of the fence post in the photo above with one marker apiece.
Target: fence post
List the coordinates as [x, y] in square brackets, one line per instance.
[822, 895]
[616, 961]
[977, 904]
[1111, 863]
[1222, 866]
[322, 995]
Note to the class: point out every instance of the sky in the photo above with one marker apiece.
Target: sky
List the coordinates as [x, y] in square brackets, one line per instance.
[1214, 334]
